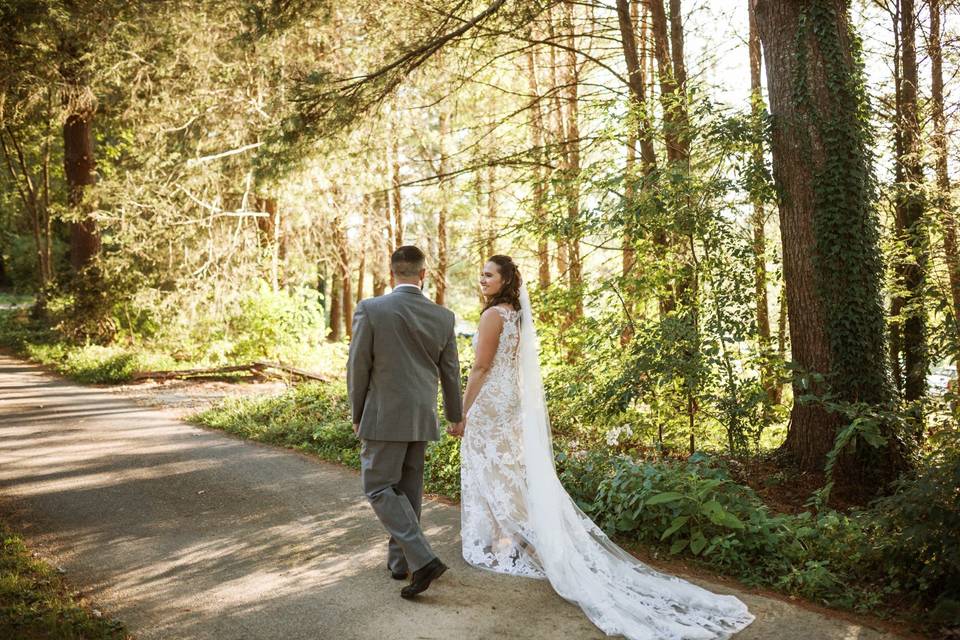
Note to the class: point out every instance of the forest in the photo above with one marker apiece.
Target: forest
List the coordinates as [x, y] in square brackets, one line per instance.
[737, 220]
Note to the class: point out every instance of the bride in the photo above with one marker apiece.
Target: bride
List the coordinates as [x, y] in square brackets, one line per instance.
[517, 518]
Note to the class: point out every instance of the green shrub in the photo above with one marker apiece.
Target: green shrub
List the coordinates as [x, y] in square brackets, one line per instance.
[442, 471]
[275, 324]
[916, 530]
[95, 364]
[315, 417]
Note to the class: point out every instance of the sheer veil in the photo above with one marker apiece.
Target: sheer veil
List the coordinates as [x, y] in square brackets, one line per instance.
[617, 592]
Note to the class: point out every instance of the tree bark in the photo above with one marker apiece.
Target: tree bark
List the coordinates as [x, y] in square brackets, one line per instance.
[671, 90]
[539, 161]
[490, 225]
[78, 157]
[642, 133]
[824, 297]
[572, 82]
[364, 246]
[440, 293]
[943, 202]
[381, 248]
[395, 198]
[911, 271]
[767, 381]
[269, 228]
[346, 297]
[336, 304]
[675, 132]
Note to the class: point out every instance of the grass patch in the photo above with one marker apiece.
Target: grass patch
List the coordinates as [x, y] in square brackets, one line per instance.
[35, 604]
[315, 418]
[91, 364]
[96, 364]
[117, 363]
[8, 299]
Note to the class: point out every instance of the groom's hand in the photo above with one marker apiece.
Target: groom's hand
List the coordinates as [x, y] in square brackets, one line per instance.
[356, 429]
[455, 430]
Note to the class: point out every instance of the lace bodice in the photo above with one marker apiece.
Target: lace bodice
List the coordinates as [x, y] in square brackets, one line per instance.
[491, 472]
[505, 358]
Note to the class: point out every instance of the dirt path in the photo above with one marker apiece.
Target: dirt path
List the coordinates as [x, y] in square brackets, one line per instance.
[186, 533]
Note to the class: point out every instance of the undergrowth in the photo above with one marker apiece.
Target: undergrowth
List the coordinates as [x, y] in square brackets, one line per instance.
[35, 604]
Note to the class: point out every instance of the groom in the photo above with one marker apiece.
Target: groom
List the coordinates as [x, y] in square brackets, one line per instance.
[401, 344]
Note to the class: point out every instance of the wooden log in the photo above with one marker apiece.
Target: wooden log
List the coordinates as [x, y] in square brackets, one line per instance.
[259, 367]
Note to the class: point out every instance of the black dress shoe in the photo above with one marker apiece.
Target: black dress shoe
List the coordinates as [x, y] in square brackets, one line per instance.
[423, 577]
[397, 575]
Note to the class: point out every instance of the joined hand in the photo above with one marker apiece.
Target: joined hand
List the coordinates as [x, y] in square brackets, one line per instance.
[456, 430]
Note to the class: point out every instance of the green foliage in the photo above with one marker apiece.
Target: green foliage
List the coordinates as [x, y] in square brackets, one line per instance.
[89, 363]
[96, 364]
[35, 604]
[275, 324]
[918, 528]
[904, 545]
[315, 418]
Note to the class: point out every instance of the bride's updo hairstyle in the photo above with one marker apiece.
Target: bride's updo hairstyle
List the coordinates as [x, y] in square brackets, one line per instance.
[510, 289]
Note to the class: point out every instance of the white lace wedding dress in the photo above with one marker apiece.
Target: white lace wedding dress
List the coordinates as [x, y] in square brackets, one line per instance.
[517, 518]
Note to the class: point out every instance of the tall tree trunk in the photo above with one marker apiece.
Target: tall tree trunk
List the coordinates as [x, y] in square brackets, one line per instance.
[364, 246]
[336, 304]
[322, 287]
[383, 240]
[539, 161]
[346, 297]
[440, 294]
[269, 228]
[674, 108]
[559, 134]
[944, 203]
[78, 157]
[818, 110]
[490, 226]
[627, 19]
[767, 381]
[669, 104]
[781, 339]
[395, 198]
[909, 215]
[572, 82]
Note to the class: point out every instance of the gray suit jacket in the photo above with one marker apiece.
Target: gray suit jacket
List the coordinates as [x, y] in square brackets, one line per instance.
[401, 344]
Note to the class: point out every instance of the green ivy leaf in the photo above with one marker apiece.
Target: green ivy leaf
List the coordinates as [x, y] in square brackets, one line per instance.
[678, 522]
[698, 542]
[663, 498]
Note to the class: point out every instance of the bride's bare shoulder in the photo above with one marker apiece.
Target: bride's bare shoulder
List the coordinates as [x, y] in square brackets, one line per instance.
[492, 315]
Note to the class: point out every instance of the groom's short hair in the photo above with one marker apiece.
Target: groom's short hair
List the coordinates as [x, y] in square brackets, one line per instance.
[407, 261]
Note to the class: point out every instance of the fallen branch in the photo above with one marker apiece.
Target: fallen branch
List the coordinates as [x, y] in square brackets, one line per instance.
[259, 367]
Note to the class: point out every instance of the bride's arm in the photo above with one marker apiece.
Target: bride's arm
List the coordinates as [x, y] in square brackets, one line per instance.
[488, 337]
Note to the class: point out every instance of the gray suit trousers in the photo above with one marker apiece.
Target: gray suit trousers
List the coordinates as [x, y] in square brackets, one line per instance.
[392, 477]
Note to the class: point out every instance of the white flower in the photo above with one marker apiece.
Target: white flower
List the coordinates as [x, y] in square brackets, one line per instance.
[613, 437]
